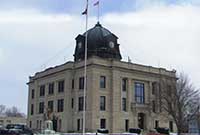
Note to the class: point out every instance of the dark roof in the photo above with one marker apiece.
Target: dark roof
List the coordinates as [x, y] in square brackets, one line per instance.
[98, 39]
[98, 31]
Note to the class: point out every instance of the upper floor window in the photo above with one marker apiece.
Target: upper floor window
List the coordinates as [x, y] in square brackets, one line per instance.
[72, 103]
[102, 103]
[72, 83]
[61, 86]
[80, 103]
[51, 88]
[124, 104]
[102, 82]
[32, 109]
[60, 105]
[153, 106]
[50, 105]
[124, 84]
[32, 93]
[155, 87]
[81, 83]
[41, 107]
[139, 93]
[169, 90]
[42, 90]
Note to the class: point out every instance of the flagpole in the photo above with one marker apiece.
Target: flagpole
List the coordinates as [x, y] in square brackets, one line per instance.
[98, 12]
[85, 70]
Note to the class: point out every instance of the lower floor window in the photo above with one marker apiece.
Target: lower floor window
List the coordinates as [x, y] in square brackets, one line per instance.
[102, 123]
[126, 125]
[30, 124]
[59, 124]
[156, 124]
[79, 124]
[40, 124]
[171, 126]
[37, 126]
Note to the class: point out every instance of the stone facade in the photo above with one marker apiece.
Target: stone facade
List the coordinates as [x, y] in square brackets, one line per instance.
[113, 97]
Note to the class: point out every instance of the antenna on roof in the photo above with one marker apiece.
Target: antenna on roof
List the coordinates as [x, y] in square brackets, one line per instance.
[129, 60]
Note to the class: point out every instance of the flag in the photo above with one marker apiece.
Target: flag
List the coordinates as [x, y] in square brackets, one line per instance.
[84, 12]
[96, 3]
[86, 9]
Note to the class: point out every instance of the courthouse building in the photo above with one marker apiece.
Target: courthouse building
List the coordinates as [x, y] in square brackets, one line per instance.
[120, 95]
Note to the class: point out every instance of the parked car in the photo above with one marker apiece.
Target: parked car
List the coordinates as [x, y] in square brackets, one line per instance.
[135, 130]
[19, 129]
[2, 127]
[163, 130]
[102, 131]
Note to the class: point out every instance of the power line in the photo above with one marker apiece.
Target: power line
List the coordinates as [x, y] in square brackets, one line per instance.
[56, 56]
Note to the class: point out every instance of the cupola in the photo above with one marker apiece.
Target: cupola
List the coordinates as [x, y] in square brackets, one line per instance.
[100, 42]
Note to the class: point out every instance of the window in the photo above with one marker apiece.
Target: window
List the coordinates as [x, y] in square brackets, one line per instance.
[60, 105]
[80, 103]
[169, 90]
[42, 90]
[41, 107]
[124, 84]
[51, 88]
[139, 93]
[32, 109]
[72, 103]
[126, 125]
[37, 126]
[32, 93]
[8, 121]
[30, 124]
[1, 122]
[154, 87]
[102, 123]
[40, 124]
[171, 126]
[81, 83]
[72, 83]
[102, 103]
[78, 124]
[59, 124]
[61, 85]
[124, 104]
[102, 82]
[156, 124]
[153, 106]
[50, 106]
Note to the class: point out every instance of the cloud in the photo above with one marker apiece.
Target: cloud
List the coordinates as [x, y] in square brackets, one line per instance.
[165, 36]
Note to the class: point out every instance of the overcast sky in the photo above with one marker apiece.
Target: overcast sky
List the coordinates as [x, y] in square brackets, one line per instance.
[36, 34]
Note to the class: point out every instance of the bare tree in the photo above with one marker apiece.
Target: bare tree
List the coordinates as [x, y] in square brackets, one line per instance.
[13, 112]
[181, 100]
[2, 109]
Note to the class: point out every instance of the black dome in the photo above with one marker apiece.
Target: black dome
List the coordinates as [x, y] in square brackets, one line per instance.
[100, 42]
[97, 33]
